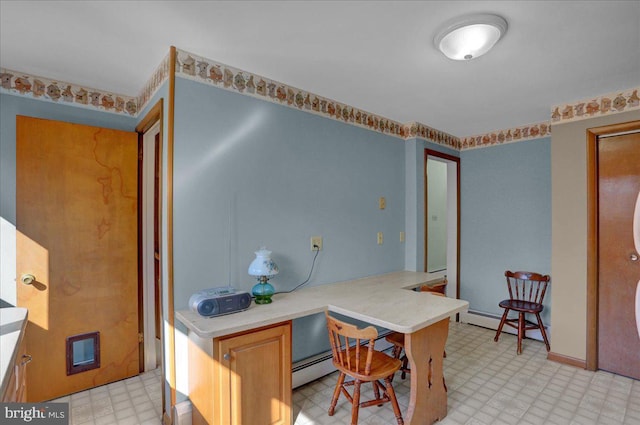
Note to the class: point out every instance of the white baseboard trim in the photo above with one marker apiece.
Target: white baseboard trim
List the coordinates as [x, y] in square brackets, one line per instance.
[492, 322]
[182, 413]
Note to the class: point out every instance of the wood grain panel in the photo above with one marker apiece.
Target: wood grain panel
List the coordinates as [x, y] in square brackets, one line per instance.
[76, 192]
[258, 377]
[618, 187]
[244, 378]
[428, 397]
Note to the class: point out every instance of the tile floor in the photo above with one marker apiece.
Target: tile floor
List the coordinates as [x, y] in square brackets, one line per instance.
[488, 384]
[132, 401]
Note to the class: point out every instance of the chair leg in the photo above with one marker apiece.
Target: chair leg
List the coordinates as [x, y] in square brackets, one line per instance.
[336, 394]
[405, 367]
[396, 352]
[355, 405]
[521, 331]
[502, 321]
[394, 401]
[543, 332]
[376, 390]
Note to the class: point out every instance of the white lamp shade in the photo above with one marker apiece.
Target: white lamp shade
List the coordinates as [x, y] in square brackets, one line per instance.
[470, 37]
[263, 265]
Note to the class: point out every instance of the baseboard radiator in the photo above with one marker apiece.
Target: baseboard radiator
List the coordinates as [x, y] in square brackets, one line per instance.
[492, 321]
[316, 367]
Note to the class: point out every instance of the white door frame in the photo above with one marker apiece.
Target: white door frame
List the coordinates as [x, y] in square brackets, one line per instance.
[452, 219]
[148, 258]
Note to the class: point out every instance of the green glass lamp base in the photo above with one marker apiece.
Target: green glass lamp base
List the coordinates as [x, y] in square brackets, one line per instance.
[263, 299]
[263, 293]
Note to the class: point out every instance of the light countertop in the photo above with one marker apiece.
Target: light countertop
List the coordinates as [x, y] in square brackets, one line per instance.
[384, 300]
[13, 321]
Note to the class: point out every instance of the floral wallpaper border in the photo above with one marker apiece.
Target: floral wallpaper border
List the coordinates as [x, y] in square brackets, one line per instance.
[598, 106]
[194, 67]
[422, 131]
[41, 88]
[197, 68]
[510, 135]
[157, 78]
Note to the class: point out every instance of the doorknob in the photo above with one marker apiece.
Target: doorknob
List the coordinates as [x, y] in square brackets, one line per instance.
[27, 278]
[633, 257]
[227, 357]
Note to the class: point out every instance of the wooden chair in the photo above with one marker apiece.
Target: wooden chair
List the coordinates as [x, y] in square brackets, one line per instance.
[526, 293]
[397, 338]
[354, 355]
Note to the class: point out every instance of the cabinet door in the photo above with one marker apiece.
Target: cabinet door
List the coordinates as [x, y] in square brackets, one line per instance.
[257, 370]
[16, 389]
[21, 372]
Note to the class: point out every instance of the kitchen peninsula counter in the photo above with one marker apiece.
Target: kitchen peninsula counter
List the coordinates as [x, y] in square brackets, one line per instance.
[384, 300]
[254, 347]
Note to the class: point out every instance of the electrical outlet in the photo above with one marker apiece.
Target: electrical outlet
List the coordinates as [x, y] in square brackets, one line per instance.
[316, 241]
[382, 203]
[380, 238]
[401, 236]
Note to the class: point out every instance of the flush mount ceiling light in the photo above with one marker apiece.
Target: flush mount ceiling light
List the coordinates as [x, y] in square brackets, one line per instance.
[470, 37]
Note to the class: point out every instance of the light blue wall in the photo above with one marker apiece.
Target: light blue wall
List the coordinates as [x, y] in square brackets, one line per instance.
[505, 219]
[10, 107]
[250, 173]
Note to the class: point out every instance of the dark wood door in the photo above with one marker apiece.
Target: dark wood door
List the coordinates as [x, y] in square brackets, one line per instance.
[76, 206]
[618, 272]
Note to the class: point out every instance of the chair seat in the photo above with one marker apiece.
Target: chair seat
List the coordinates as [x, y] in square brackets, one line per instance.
[396, 338]
[354, 354]
[382, 366]
[526, 306]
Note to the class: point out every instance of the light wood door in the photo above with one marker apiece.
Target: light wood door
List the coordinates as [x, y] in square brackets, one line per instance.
[76, 207]
[618, 272]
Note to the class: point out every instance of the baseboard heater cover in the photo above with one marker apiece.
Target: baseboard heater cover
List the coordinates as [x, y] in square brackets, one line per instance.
[492, 321]
[312, 368]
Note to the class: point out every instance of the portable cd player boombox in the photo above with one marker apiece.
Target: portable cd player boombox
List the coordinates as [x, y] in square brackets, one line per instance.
[218, 301]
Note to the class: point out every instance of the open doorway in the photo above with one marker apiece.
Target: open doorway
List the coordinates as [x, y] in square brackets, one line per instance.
[150, 246]
[151, 257]
[442, 222]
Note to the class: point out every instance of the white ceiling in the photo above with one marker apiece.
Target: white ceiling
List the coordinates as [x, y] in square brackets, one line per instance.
[374, 55]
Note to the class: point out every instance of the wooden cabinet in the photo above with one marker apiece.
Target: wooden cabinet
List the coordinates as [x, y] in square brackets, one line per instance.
[243, 378]
[16, 390]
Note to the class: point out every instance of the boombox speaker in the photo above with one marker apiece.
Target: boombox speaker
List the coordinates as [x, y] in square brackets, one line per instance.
[219, 301]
